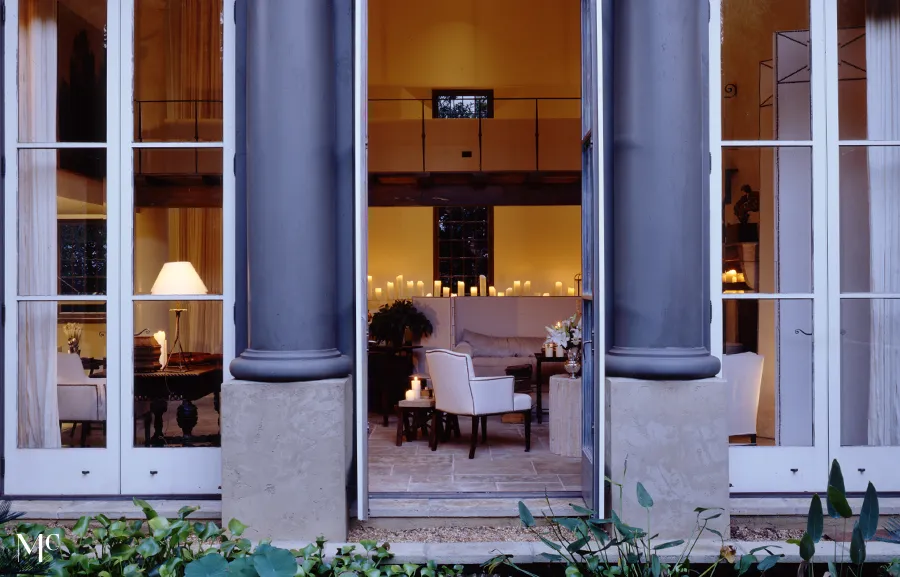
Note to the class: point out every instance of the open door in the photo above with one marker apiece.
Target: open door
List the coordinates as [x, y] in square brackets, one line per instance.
[360, 218]
[593, 308]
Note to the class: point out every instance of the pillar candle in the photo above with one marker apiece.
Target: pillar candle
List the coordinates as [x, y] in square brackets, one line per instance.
[399, 286]
[416, 386]
[509, 292]
[446, 292]
[378, 294]
[461, 288]
[473, 291]
[558, 287]
[410, 395]
[571, 291]
[546, 294]
[369, 291]
[437, 288]
[429, 295]
[482, 285]
[410, 288]
[390, 290]
[528, 287]
[420, 286]
[517, 288]
[501, 294]
[492, 291]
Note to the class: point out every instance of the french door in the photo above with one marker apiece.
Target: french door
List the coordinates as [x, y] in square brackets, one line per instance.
[805, 169]
[592, 214]
[119, 270]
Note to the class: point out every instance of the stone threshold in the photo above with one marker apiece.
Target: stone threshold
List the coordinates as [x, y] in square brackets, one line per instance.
[705, 552]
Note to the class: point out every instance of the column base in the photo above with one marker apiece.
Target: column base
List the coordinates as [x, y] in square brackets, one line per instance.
[285, 448]
[677, 364]
[674, 437]
[290, 366]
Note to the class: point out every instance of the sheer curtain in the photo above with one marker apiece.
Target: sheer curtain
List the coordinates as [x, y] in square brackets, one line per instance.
[194, 66]
[883, 108]
[37, 321]
[196, 236]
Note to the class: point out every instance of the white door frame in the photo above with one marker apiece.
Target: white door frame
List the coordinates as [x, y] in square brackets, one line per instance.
[172, 470]
[73, 471]
[779, 469]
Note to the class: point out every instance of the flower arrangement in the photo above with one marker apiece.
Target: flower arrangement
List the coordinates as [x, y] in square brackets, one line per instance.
[565, 334]
[73, 332]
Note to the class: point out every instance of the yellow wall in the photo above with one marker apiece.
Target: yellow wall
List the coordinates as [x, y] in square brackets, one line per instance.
[401, 241]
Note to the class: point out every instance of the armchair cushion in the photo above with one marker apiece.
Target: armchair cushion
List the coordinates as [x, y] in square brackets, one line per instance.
[521, 402]
[492, 394]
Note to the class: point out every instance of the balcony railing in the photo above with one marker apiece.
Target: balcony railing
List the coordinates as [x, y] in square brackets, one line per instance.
[524, 134]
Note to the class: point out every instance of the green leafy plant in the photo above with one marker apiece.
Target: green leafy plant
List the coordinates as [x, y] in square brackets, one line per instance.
[611, 548]
[392, 321]
[838, 508]
[11, 562]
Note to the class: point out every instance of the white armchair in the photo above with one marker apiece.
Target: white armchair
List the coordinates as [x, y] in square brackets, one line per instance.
[744, 373]
[81, 399]
[458, 391]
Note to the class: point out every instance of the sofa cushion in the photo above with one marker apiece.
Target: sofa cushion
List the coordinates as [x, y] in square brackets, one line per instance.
[525, 346]
[487, 346]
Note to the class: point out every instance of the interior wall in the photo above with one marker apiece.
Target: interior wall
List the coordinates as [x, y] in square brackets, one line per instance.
[401, 241]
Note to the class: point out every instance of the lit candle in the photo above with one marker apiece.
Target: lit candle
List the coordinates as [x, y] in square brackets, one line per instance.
[378, 294]
[461, 288]
[410, 288]
[546, 294]
[437, 287]
[160, 337]
[390, 290]
[399, 286]
[446, 292]
[369, 292]
[410, 395]
[428, 295]
[482, 285]
[420, 286]
[417, 387]
[517, 288]
[558, 289]
[571, 291]
[528, 287]
[509, 292]
[473, 291]
[501, 294]
[492, 291]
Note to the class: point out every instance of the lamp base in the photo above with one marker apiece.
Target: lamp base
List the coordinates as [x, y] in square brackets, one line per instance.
[176, 345]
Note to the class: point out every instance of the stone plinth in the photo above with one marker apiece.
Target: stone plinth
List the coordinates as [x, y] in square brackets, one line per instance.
[284, 458]
[674, 435]
[565, 416]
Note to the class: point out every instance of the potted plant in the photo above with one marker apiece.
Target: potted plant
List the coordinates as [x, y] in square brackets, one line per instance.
[399, 323]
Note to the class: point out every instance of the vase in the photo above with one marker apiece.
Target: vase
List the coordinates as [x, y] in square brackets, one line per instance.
[573, 365]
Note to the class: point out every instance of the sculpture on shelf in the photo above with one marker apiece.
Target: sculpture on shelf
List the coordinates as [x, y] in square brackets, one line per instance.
[746, 204]
[73, 332]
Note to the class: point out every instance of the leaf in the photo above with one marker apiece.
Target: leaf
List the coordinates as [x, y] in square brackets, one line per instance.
[572, 571]
[654, 564]
[581, 510]
[211, 565]
[552, 557]
[551, 544]
[767, 563]
[236, 528]
[815, 522]
[186, 511]
[746, 563]
[149, 512]
[868, 515]
[577, 545]
[669, 544]
[569, 523]
[807, 547]
[148, 548]
[832, 568]
[525, 515]
[242, 567]
[836, 488]
[643, 497]
[857, 546]
[837, 503]
[81, 527]
[274, 562]
[158, 524]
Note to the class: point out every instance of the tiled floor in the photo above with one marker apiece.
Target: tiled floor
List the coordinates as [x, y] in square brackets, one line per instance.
[501, 465]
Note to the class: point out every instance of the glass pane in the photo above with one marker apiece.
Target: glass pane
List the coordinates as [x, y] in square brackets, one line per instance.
[767, 220]
[61, 374]
[62, 71]
[62, 222]
[178, 70]
[870, 399]
[177, 373]
[765, 70]
[178, 219]
[870, 213]
[868, 43]
[769, 364]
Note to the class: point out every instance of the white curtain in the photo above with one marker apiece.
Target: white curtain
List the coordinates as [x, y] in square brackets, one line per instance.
[37, 321]
[194, 63]
[195, 235]
[883, 109]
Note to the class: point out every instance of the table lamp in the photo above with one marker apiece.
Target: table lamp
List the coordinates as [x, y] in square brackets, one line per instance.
[178, 278]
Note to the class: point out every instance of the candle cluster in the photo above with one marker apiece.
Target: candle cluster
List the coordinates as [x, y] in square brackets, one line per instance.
[733, 276]
[398, 289]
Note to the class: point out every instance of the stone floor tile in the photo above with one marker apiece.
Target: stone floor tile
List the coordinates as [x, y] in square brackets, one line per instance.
[390, 483]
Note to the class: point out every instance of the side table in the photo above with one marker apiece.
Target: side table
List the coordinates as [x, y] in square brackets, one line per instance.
[413, 416]
[539, 360]
[565, 416]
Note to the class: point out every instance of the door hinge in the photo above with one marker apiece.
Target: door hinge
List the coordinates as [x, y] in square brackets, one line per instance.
[234, 14]
[234, 165]
[3, 12]
[710, 162]
[2, 467]
[710, 312]
[3, 166]
[3, 315]
[234, 313]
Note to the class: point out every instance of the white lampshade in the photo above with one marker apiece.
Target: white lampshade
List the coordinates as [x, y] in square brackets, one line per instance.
[178, 278]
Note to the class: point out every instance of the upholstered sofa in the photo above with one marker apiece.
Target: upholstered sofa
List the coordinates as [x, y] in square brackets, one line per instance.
[491, 355]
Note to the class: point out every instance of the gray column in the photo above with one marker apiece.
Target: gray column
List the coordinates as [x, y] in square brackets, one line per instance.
[291, 188]
[660, 259]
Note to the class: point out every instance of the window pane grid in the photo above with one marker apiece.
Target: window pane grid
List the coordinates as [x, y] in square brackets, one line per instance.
[463, 245]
